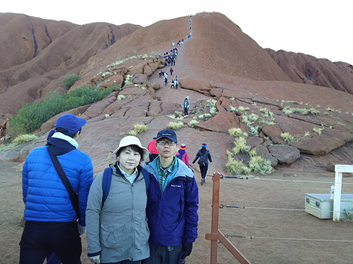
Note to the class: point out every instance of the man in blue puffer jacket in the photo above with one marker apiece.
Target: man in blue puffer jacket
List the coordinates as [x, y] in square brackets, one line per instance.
[172, 204]
[51, 220]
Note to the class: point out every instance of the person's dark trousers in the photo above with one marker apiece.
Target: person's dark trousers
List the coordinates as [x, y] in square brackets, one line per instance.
[204, 170]
[164, 255]
[39, 238]
[153, 156]
[185, 111]
[52, 258]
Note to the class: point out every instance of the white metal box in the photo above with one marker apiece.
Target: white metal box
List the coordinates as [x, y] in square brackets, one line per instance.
[321, 204]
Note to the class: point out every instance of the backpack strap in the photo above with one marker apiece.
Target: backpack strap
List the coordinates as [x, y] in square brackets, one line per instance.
[147, 179]
[65, 180]
[107, 180]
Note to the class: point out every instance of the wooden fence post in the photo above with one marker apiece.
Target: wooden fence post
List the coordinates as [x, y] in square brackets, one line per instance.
[216, 234]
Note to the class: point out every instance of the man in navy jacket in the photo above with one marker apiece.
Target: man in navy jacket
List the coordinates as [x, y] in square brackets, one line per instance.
[51, 220]
[172, 204]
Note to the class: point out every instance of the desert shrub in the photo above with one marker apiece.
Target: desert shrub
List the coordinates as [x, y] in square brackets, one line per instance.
[121, 97]
[266, 123]
[318, 130]
[236, 167]
[70, 80]
[175, 125]
[31, 116]
[213, 110]
[192, 123]
[303, 111]
[260, 165]
[211, 102]
[240, 146]
[132, 133]
[313, 111]
[288, 138]
[237, 132]
[252, 153]
[241, 108]
[246, 120]
[152, 55]
[106, 74]
[267, 112]
[177, 115]
[24, 138]
[200, 117]
[140, 128]
[253, 117]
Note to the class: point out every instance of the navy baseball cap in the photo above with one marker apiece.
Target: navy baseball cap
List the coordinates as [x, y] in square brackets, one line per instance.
[167, 133]
[71, 123]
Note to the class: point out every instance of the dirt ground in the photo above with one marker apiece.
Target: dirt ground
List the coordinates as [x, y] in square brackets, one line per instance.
[279, 236]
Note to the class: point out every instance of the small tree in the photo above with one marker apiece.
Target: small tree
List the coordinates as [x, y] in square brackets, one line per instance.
[70, 80]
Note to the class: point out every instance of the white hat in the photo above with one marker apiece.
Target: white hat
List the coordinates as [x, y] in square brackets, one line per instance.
[132, 140]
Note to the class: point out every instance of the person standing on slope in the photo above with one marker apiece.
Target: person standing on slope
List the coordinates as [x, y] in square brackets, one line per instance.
[172, 205]
[153, 149]
[117, 229]
[204, 155]
[186, 106]
[50, 214]
[182, 154]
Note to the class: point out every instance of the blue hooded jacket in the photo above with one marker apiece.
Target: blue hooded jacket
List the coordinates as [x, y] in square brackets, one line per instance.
[172, 215]
[45, 196]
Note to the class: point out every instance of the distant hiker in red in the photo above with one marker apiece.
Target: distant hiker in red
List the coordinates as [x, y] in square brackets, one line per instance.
[152, 148]
[182, 154]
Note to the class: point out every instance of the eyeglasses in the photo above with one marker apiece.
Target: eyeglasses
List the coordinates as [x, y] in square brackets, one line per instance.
[164, 142]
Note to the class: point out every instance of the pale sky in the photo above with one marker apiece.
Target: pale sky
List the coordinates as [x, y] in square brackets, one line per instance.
[318, 28]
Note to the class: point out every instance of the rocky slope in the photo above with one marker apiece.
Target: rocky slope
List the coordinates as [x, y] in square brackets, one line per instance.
[222, 63]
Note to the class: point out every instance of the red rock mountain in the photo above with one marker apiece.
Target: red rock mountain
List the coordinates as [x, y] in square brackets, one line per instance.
[216, 61]
[304, 68]
[36, 54]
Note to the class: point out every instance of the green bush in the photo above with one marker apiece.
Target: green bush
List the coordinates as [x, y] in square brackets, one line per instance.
[140, 128]
[177, 115]
[288, 138]
[70, 80]
[236, 167]
[31, 116]
[260, 165]
[192, 123]
[175, 125]
[240, 146]
[24, 138]
[237, 132]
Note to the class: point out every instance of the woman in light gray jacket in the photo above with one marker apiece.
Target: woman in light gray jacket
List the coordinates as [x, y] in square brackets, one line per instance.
[117, 229]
